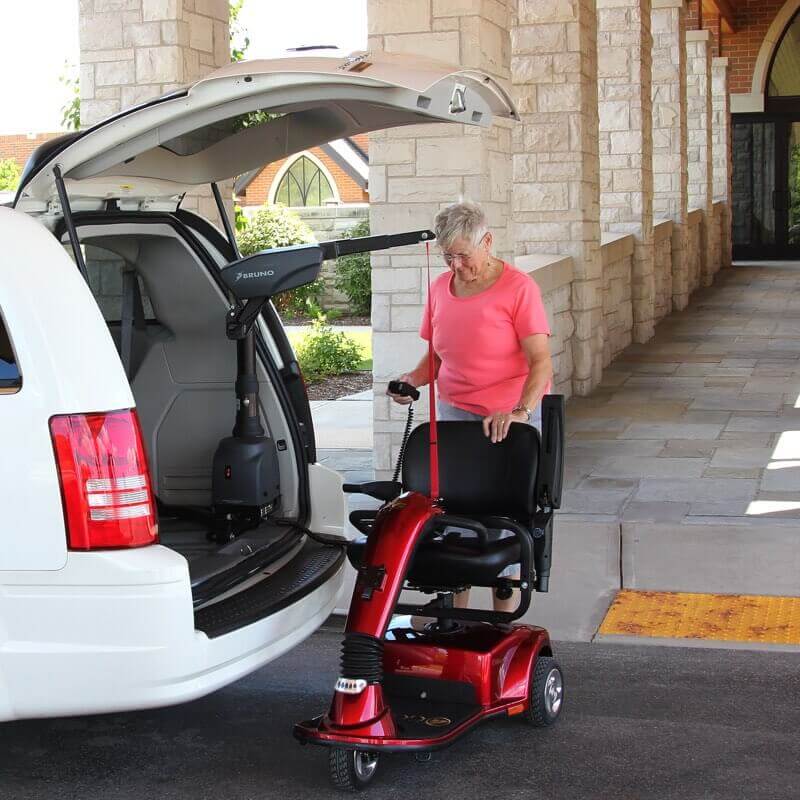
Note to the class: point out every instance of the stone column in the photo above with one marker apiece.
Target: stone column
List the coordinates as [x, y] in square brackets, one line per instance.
[670, 166]
[624, 47]
[556, 190]
[698, 110]
[134, 50]
[417, 170]
[722, 151]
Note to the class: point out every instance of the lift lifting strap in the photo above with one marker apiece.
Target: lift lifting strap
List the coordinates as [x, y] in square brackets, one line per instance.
[434, 444]
[132, 317]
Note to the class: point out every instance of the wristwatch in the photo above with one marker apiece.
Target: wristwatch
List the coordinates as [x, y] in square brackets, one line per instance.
[527, 411]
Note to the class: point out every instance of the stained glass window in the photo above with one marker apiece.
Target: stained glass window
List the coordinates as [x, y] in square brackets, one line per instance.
[304, 184]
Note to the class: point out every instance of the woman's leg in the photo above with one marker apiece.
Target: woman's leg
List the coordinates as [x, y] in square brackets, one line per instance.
[461, 599]
[512, 603]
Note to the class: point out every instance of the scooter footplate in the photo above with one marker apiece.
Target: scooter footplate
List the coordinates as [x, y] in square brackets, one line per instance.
[421, 719]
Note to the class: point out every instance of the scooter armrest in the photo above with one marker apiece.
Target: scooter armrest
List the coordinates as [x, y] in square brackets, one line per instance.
[380, 490]
[363, 519]
[442, 521]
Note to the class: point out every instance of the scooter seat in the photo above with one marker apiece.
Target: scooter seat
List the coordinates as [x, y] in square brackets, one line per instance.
[452, 561]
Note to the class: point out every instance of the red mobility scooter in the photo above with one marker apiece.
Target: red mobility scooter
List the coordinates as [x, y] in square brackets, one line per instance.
[418, 688]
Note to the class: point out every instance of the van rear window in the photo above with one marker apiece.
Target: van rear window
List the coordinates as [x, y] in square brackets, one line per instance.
[105, 280]
[10, 376]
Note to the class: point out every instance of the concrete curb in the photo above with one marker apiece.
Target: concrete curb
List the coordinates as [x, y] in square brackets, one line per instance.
[756, 558]
[711, 644]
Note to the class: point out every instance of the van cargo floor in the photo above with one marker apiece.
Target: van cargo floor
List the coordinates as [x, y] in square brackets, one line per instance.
[216, 568]
[309, 569]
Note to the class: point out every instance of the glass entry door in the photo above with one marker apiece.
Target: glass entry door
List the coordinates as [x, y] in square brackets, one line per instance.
[765, 204]
[792, 192]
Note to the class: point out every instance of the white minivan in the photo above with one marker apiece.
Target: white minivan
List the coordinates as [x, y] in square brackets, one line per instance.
[117, 384]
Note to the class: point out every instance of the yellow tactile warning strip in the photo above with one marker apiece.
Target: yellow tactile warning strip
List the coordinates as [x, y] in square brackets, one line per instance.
[723, 617]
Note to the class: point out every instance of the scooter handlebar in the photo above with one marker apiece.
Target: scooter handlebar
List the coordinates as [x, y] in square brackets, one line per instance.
[380, 490]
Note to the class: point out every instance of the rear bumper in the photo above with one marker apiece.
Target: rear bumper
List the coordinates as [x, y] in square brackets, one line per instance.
[115, 631]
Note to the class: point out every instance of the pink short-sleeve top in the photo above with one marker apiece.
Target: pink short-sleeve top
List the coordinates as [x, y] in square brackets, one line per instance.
[478, 340]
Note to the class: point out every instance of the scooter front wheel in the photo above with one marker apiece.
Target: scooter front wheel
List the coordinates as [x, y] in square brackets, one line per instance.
[352, 770]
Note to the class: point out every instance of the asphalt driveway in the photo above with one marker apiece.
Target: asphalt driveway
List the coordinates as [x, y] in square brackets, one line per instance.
[639, 722]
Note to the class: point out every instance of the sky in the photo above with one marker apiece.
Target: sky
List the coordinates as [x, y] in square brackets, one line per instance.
[33, 59]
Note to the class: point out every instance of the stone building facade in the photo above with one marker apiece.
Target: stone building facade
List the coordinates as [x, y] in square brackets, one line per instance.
[134, 50]
[604, 192]
[615, 190]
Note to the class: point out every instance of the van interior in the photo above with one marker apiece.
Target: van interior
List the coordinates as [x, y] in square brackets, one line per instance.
[166, 313]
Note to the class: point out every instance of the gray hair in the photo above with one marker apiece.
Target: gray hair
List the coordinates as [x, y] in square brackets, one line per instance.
[460, 221]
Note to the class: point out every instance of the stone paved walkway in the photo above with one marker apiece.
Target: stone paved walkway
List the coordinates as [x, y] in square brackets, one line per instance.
[703, 420]
[682, 467]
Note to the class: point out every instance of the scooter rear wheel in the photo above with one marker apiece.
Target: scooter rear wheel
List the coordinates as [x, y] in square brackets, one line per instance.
[351, 770]
[547, 692]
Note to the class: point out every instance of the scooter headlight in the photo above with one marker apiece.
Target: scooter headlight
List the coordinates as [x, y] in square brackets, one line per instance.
[350, 685]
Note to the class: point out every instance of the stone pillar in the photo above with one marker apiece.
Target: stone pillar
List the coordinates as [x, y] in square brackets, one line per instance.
[556, 190]
[722, 151]
[417, 170]
[670, 166]
[134, 50]
[698, 110]
[624, 47]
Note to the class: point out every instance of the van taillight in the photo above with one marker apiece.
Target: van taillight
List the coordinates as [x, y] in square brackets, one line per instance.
[105, 483]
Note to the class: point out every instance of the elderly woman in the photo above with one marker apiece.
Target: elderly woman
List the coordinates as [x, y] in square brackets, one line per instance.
[490, 332]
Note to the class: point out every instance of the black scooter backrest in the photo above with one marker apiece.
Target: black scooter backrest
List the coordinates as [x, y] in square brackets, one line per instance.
[551, 458]
[476, 476]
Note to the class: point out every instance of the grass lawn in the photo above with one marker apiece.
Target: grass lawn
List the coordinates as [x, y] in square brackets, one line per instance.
[362, 338]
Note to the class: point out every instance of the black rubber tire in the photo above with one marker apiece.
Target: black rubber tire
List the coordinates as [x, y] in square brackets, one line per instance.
[344, 771]
[542, 711]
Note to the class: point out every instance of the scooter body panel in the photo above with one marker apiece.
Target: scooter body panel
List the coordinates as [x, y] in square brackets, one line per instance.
[494, 663]
[399, 527]
[437, 684]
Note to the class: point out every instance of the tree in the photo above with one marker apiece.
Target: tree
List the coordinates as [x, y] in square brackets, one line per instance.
[240, 41]
[71, 110]
[9, 175]
[353, 273]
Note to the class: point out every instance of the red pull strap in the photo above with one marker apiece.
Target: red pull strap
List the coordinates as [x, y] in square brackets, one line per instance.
[434, 446]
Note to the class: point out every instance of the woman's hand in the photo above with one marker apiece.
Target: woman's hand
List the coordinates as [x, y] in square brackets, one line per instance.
[496, 425]
[406, 377]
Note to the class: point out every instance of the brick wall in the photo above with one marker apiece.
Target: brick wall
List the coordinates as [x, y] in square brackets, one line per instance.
[19, 147]
[753, 18]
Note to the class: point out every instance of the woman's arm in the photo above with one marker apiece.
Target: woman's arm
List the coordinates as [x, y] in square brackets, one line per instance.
[417, 377]
[420, 374]
[540, 373]
[537, 350]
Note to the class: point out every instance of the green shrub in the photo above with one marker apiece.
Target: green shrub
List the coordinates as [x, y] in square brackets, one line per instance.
[327, 352]
[353, 275]
[9, 175]
[239, 220]
[277, 226]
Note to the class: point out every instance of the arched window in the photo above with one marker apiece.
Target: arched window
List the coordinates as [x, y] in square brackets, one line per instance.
[304, 184]
[784, 73]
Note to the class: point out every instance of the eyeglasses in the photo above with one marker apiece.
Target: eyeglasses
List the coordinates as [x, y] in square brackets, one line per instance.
[449, 258]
